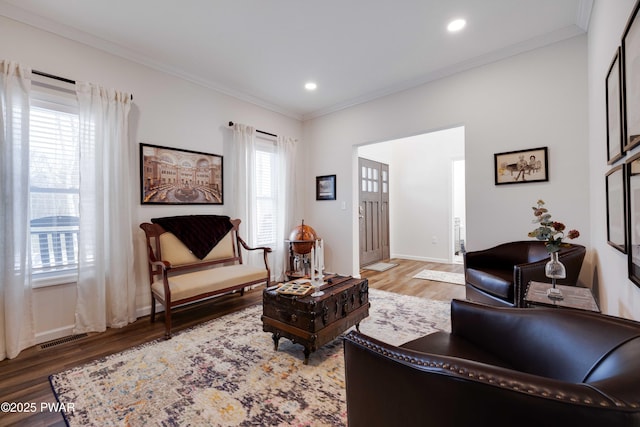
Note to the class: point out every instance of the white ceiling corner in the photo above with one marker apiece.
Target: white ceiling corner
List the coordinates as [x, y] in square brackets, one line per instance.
[584, 14]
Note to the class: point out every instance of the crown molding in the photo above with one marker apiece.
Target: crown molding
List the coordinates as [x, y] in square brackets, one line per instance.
[584, 14]
[36, 21]
[513, 50]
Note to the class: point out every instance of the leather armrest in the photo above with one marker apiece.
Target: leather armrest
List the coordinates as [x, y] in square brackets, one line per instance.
[523, 274]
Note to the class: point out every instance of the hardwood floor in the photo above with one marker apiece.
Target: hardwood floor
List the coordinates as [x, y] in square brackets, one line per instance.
[25, 378]
[400, 280]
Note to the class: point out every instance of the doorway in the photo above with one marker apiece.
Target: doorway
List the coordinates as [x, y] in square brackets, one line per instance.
[373, 211]
[426, 195]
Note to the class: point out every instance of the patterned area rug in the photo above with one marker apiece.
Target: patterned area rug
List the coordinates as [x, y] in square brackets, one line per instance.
[441, 276]
[226, 373]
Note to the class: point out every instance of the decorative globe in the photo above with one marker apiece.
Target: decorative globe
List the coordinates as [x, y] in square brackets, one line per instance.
[302, 238]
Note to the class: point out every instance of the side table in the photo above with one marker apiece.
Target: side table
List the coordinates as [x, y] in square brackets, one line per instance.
[574, 297]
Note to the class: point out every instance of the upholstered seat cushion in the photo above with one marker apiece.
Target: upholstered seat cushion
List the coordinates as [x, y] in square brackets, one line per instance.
[188, 285]
[494, 281]
[446, 344]
[177, 253]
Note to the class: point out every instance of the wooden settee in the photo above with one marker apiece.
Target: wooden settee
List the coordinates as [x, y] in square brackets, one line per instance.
[182, 269]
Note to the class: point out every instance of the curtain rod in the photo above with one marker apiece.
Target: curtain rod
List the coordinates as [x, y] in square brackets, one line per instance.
[259, 131]
[62, 79]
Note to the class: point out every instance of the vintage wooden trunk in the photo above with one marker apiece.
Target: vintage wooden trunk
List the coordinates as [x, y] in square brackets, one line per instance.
[315, 321]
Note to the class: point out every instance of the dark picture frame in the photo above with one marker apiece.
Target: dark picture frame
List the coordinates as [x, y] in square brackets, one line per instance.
[632, 171]
[174, 176]
[631, 79]
[615, 134]
[326, 187]
[616, 212]
[522, 166]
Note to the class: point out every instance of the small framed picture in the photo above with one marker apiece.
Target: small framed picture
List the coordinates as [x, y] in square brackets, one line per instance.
[615, 138]
[631, 79]
[616, 213]
[326, 187]
[520, 167]
[633, 217]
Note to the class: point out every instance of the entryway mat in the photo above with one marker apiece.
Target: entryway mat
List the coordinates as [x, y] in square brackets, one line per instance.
[379, 266]
[441, 276]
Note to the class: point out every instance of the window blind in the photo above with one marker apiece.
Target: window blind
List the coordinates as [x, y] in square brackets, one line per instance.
[265, 194]
[54, 186]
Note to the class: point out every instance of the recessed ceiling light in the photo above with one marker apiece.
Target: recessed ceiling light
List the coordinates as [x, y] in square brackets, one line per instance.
[456, 25]
[310, 86]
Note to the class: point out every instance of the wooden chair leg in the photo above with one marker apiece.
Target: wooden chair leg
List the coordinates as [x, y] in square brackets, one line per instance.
[167, 321]
[153, 308]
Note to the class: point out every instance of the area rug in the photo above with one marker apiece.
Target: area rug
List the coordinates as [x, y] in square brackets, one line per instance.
[226, 373]
[441, 276]
[379, 266]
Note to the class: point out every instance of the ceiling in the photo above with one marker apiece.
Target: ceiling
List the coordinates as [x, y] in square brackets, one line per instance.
[265, 51]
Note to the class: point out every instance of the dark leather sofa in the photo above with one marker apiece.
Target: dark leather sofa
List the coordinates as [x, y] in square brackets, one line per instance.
[499, 275]
[500, 367]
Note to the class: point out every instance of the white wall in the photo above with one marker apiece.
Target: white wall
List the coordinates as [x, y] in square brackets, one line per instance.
[618, 295]
[538, 98]
[422, 193]
[167, 111]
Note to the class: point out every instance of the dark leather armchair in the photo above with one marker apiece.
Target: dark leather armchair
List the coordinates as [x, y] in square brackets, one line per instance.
[500, 366]
[499, 275]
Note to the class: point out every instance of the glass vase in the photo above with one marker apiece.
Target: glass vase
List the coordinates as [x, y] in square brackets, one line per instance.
[554, 270]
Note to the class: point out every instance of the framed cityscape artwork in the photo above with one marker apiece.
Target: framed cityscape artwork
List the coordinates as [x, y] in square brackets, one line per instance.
[172, 176]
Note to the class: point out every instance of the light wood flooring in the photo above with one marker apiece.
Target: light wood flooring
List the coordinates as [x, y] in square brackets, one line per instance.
[25, 378]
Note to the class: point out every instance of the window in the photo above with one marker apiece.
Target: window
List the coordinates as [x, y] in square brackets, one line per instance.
[54, 184]
[265, 193]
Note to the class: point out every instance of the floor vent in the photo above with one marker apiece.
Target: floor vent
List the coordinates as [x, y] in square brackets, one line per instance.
[61, 341]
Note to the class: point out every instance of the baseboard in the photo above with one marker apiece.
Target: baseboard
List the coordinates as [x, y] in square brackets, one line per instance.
[146, 310]
[65, 331]
[424, 259]
[54, 334]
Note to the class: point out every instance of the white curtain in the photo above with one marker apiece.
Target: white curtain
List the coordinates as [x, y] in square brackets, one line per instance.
[244, 184]
[286, 148]
[106, 283]
[16, 314]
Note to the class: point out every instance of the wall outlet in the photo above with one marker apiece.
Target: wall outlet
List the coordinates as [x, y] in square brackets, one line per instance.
[434, 240]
